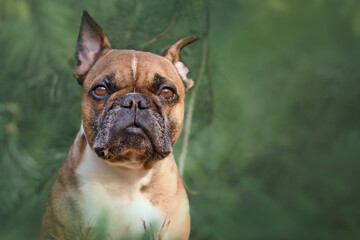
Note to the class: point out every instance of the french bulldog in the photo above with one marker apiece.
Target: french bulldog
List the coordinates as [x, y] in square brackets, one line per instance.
[120, 172]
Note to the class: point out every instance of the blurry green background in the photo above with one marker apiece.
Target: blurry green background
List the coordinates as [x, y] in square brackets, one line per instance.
[274, 149]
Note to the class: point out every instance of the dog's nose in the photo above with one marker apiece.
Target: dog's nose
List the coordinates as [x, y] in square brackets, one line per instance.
[135, 100]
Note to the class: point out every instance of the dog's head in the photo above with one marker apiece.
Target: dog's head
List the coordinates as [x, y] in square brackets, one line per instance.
[133, 101]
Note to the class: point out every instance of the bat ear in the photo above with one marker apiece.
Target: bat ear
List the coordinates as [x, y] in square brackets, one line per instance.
[92, 41]
[173, 54]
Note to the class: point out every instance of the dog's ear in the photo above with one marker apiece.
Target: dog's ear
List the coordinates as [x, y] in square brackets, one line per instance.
[173, 54]
[92, 41]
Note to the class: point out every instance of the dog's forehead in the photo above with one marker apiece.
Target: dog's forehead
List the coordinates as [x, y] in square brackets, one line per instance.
[135, 68]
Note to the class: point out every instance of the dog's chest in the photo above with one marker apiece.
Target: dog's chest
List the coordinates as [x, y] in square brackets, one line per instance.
[114, 201]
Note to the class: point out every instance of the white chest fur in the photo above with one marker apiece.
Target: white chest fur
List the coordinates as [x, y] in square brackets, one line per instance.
[113, 195]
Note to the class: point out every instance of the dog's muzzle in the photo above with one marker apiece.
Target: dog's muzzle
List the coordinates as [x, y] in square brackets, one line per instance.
[132, 122]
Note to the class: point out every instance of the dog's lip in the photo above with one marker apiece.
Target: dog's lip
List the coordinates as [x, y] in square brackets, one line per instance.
[134, 128]
[134, 125]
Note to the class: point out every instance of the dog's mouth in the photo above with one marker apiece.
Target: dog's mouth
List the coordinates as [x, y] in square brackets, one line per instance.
[132, 138]
[139, 141]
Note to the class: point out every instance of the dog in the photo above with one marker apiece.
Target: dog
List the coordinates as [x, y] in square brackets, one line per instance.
[120, 171]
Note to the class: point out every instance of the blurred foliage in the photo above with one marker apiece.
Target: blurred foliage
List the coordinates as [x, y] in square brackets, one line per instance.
[274, 145]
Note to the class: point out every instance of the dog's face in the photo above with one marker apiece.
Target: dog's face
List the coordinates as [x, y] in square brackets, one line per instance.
[133, 102]
[132, 113]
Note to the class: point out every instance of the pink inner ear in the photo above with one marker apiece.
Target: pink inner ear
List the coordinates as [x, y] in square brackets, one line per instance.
[91, 42]
[89, 53]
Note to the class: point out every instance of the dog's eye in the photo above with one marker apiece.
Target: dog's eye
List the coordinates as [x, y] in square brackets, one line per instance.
[167, 93]
[100, 90]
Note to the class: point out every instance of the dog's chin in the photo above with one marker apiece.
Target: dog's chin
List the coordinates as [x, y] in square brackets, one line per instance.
[131, 158]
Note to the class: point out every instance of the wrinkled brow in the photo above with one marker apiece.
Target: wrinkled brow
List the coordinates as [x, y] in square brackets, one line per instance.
[158, 81]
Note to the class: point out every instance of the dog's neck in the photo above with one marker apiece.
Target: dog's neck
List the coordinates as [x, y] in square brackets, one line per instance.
[93, 168]
[117, 193]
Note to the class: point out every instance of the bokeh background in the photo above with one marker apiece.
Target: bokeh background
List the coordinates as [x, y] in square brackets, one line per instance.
[274, 142]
